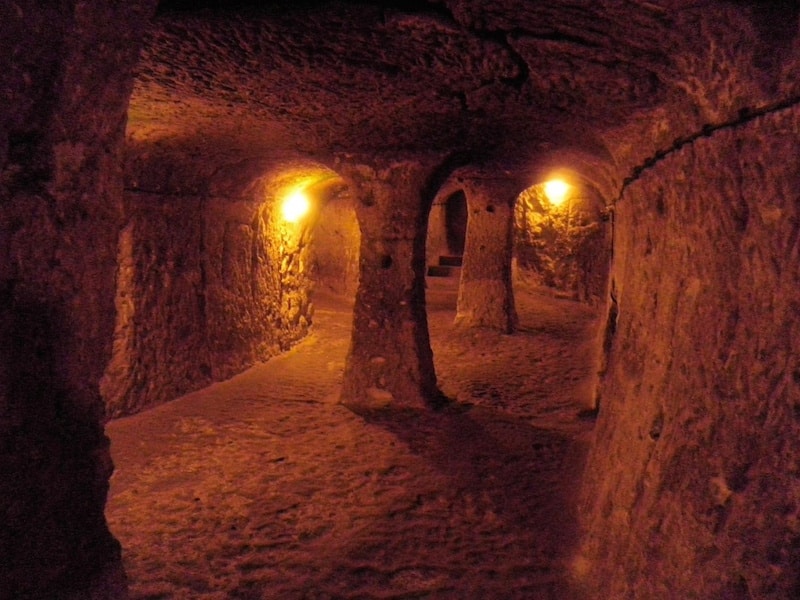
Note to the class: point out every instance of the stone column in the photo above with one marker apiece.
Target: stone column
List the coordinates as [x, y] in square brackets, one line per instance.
[485, 295]
[60, 200]
[390, 363]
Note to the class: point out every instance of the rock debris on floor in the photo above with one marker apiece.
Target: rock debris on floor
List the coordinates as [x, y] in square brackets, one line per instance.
[264, 487]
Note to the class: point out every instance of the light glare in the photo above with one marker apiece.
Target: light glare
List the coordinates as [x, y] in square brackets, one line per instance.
[295, 206]
[556, 191]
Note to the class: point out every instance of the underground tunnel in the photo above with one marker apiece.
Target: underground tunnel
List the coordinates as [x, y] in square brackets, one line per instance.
[410, 299]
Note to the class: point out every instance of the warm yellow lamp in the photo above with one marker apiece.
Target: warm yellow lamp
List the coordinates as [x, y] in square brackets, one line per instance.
[295, 206]
[556, 191]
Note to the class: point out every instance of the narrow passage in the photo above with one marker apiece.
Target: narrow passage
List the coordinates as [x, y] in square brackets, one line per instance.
[264, 487]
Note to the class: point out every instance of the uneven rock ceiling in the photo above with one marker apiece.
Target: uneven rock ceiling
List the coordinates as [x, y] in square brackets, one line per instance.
[509, 81]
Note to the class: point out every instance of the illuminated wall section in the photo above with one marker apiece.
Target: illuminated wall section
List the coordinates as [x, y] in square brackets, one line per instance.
[210, 281]
[562, 242]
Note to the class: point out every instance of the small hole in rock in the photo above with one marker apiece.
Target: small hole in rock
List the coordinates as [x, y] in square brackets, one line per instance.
[386, 261]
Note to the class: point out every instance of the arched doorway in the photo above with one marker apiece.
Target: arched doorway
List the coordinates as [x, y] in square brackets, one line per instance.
[446, 239]
[455, 222]
[561, 248]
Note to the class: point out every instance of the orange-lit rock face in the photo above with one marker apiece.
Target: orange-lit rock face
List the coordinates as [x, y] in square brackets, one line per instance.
[447, 226]
[693, 480]
[336, 246]
[565, 247]
[601, 86]
[210, 283]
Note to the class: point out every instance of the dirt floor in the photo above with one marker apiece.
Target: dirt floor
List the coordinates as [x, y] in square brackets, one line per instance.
[264, 487]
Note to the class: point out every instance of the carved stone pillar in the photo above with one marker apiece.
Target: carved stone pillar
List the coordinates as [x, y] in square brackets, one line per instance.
[485, 295]
[390, 362]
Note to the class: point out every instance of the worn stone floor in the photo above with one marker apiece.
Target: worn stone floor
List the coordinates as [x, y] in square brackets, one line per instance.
[263, 487]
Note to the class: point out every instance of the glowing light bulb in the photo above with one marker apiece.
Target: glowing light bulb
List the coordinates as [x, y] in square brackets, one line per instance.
[295, 206]
[556, 191]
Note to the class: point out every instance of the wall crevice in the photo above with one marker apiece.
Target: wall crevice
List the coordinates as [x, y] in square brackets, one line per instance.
[745, 116]
[697, 392]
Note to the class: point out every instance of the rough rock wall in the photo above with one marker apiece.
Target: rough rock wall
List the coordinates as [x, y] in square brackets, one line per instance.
[160, 348]
[335, 247]
[65, 79]
[207, 287]
[693, 483]
[258, 267]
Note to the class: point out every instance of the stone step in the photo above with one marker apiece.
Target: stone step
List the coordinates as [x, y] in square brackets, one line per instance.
[439, 271]
[444, 272]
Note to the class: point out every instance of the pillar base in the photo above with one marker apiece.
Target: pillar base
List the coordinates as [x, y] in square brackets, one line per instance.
[378, 401]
